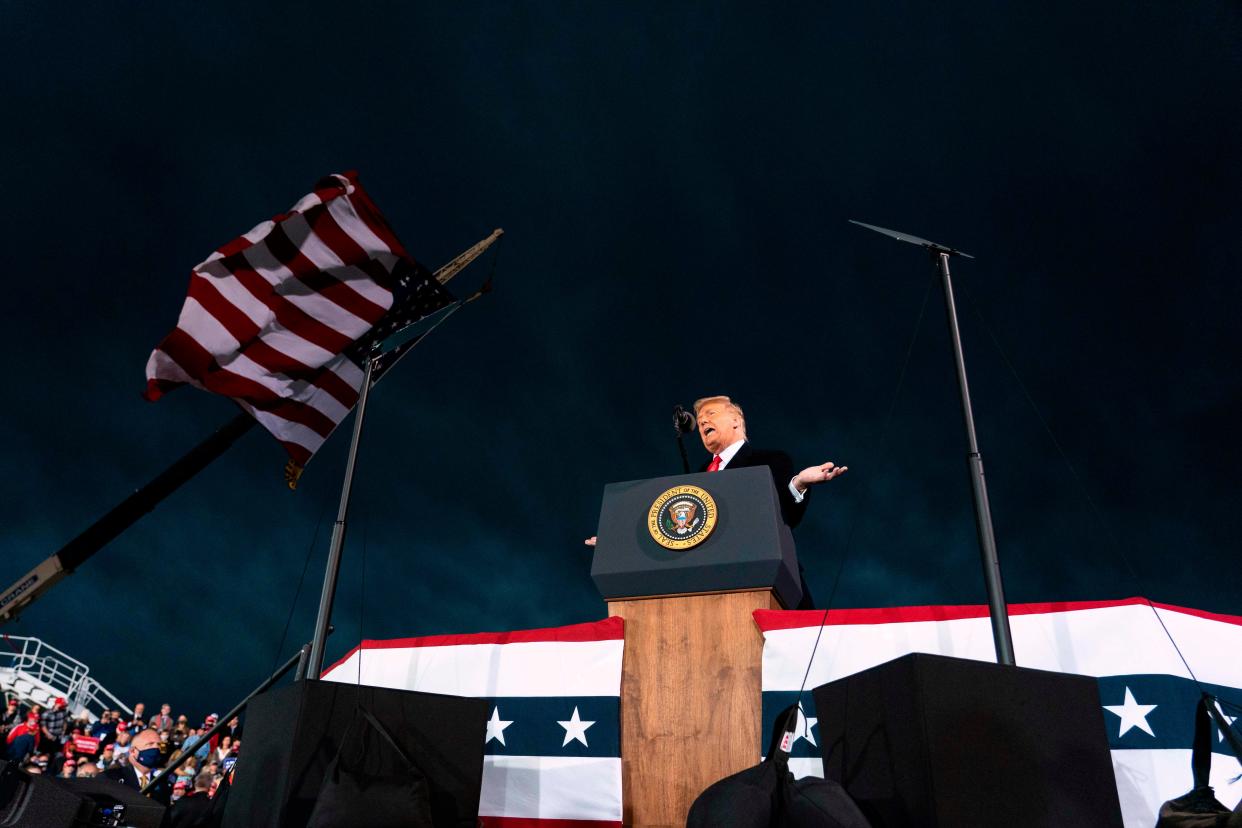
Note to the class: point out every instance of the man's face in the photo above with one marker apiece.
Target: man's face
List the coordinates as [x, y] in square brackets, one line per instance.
[145, 739]
[719, 426]
[165, 710]
[138, 710]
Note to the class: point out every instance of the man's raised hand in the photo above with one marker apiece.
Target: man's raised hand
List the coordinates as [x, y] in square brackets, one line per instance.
[818, 474]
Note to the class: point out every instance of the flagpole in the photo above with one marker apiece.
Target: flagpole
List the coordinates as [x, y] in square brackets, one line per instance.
[314, 664]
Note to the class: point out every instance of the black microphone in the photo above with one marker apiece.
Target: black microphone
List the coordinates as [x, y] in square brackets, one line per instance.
[683, 420]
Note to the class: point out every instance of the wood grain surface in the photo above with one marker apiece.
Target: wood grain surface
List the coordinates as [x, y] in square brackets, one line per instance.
[690, 698]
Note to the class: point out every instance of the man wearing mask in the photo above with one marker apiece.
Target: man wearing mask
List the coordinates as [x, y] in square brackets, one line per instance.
[145, 759]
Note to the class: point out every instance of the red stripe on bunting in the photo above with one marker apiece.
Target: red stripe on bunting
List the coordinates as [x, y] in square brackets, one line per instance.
[769, 620]
[530, 822]
[610, 629]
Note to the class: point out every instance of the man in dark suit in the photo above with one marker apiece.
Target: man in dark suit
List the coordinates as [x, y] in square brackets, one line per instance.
[722, 428]
[194, 809]
[145, 759]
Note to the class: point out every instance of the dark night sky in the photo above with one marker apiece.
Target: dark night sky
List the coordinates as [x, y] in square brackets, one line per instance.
[675, 182]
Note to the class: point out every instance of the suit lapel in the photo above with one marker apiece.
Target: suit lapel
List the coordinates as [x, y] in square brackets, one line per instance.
[742, 459]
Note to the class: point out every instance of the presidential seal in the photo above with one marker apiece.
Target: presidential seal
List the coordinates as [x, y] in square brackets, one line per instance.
[682, 517]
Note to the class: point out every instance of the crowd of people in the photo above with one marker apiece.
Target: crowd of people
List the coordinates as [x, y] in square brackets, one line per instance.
[129, 749]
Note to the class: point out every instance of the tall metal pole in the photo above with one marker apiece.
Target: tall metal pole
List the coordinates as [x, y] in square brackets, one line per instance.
[998, 611]
[314, 664]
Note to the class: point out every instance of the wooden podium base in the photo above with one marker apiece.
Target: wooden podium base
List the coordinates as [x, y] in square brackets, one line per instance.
[690, 698]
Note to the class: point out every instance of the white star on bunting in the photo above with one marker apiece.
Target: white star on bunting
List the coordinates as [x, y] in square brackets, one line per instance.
[1220, 734]
[496, 727]
[1132, 714]
[802, 729]
[575, 729]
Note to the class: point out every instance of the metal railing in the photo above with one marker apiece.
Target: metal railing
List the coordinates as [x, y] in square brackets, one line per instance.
[31, 658]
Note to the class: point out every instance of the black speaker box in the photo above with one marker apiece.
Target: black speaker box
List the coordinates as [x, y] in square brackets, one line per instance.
[938, 742]
[105, 793]
[294, 732]
[33, 801]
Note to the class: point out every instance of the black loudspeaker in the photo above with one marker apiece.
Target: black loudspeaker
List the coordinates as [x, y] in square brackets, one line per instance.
[36, 801]
[109, 796]
[938, 742]
[292, 733]
[32, 801]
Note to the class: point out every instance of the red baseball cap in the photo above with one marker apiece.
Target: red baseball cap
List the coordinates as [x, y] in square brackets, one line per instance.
[69, 763]
[122, 727]
[62, 702]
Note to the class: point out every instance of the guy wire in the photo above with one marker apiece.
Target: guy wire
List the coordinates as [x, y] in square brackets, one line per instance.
[882, 443]
[1082, 487]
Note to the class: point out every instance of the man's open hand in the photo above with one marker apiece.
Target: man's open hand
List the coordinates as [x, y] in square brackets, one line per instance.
[590, 541]
[818, 474]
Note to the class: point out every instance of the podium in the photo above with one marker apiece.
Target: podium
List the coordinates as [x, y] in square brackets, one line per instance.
[685, 560]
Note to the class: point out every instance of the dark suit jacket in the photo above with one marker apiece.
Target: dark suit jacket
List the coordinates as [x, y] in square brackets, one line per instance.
[190, 811]
[781, 466]
[128, 777]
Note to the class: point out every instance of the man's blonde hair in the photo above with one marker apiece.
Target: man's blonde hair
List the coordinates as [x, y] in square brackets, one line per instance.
[720, 398]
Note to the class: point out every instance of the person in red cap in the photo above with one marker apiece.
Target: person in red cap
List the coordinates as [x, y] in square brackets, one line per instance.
[23, 739]
[53, 722]
[123, 739]
[69, 769]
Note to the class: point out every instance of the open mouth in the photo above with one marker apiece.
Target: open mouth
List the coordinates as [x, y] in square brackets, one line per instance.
[709, 430]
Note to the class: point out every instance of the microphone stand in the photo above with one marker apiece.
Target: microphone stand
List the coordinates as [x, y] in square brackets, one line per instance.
[679, 415]
[685, 460]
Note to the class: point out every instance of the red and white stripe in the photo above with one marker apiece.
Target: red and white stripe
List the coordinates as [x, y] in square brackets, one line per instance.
[268, 315]
[576, 660]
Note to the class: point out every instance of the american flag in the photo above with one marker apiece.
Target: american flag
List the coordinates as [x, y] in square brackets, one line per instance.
[281, 318]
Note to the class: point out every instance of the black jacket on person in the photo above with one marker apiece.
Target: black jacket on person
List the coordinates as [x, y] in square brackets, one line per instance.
[190, 811]
[128, 777]
[781, 466]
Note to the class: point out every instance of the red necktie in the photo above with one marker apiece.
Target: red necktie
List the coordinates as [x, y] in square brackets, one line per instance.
[715, 464]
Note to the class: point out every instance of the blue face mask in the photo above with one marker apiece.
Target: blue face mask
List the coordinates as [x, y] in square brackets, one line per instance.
[151, 758]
